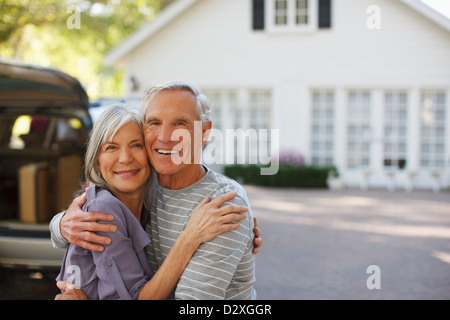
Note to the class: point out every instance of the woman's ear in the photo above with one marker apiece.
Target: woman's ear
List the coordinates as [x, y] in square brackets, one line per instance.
[99, 172]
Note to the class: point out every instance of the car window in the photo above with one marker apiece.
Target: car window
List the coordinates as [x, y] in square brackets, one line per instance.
[45, 132]
[20, 128]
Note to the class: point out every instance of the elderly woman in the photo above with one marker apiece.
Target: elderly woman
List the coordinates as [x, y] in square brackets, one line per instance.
[120, 176]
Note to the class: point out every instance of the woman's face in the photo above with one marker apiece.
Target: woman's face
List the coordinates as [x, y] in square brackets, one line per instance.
[123, 162]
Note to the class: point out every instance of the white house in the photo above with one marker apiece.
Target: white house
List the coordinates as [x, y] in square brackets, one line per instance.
[360, 84]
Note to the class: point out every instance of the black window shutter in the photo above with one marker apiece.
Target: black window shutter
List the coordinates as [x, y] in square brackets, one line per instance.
[324, 13]
[258, 14]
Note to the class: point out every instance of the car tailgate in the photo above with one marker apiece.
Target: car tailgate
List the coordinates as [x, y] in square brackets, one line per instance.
[26, 245]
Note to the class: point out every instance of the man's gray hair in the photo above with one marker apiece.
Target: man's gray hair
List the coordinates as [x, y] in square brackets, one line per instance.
[203, 107]
[107, 125]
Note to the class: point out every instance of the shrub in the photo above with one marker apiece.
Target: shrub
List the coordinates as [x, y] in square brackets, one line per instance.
[287, 176]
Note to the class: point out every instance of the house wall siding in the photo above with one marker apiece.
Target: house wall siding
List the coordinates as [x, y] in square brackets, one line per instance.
[213, 43]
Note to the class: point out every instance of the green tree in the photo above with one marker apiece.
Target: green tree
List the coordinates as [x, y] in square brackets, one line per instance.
[39, 32]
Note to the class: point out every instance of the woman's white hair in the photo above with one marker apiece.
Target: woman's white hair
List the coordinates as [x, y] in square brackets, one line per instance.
[105, 128]
[203, 106]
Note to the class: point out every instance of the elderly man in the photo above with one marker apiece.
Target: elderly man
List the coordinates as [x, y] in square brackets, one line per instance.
[223, 268]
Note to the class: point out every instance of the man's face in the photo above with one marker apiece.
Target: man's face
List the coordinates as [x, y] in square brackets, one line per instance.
[167, 111]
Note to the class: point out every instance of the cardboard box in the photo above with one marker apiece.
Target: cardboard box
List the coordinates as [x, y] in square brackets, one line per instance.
[67, 183]
[34, 196]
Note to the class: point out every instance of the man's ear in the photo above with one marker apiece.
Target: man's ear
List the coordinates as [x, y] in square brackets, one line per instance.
[206, 129]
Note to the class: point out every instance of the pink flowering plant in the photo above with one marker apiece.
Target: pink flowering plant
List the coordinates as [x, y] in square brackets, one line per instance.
[290, 157]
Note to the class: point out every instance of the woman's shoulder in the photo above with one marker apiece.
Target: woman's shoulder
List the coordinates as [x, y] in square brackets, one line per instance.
[99, 197]
[101, 200]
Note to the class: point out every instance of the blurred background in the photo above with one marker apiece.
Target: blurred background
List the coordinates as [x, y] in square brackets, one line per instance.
[356, 85]
[357, 91]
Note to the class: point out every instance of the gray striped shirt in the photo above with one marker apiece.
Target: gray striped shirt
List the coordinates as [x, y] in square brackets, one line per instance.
[223, 268]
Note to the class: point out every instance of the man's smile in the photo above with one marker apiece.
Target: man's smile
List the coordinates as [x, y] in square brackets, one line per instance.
[167, 152]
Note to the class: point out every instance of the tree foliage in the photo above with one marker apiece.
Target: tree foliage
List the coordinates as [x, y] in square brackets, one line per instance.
[37, 31]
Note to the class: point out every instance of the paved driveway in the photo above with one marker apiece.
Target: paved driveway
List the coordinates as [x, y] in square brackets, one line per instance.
[320, 244]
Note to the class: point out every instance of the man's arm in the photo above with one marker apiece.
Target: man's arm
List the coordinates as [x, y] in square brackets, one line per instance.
[58, 240]
[79, 227]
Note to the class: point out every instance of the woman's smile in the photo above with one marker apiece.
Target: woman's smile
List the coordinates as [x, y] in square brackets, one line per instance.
[127, 173]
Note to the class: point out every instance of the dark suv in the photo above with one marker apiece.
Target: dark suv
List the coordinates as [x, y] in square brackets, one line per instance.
[44, 125]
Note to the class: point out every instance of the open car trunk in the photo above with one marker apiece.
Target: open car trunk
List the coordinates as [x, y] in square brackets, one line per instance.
[44, 124]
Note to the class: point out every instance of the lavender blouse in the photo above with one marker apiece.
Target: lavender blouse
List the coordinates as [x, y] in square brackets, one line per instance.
[122, 269]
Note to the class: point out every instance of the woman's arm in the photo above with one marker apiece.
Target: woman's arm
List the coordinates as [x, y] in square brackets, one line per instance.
[206, 222]
[163, 282]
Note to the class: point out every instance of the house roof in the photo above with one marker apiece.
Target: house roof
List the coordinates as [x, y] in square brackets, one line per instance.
[179, 6]
[429, 12]
[147, 30]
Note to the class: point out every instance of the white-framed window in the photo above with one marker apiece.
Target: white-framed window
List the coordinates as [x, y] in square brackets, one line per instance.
[216, 99]
[291, 15]
[222, 114]
[280, 14]
[322, 127]
[432, 129]
[226, 110]
[246, 111]
[358, 129]
[260, 108]
[395, 129]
